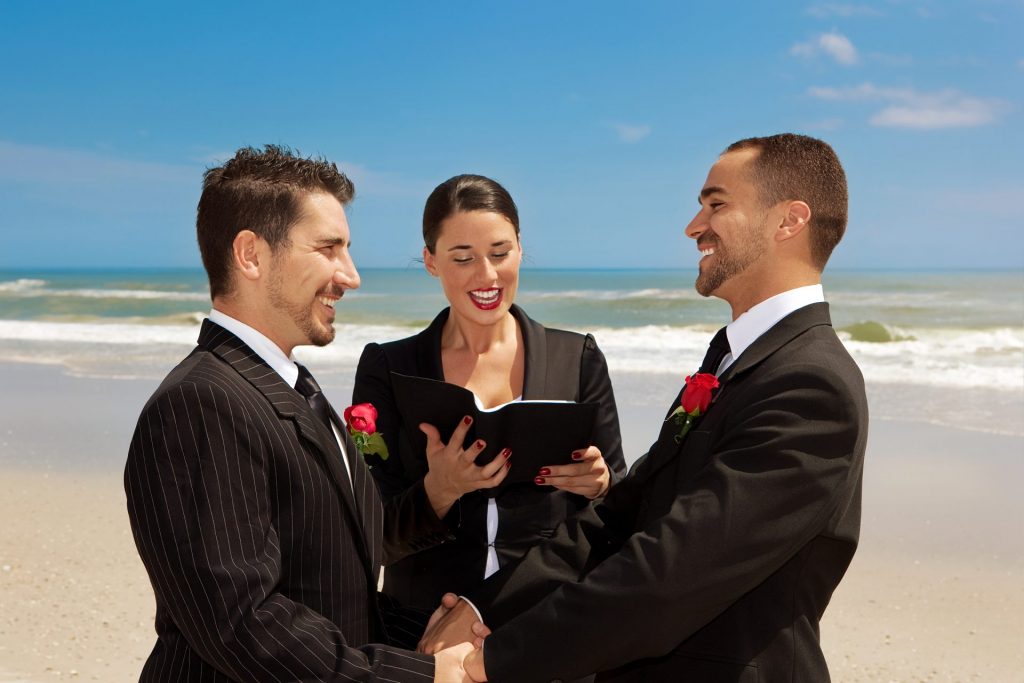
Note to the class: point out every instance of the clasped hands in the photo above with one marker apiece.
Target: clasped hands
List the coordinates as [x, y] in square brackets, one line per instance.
[455, 635]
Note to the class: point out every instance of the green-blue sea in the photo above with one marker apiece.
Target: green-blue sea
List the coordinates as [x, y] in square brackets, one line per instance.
[958, 334]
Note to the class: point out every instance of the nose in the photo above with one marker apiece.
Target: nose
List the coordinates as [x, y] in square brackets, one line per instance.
[489, 272]
[697, 226]
[345, 273]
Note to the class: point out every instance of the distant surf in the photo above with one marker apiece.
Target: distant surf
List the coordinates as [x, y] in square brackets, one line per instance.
[947, 331]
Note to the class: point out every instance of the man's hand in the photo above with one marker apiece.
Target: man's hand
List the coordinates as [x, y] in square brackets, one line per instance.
[473, 664]
[454, 622]
[449, 665]
[448, 600]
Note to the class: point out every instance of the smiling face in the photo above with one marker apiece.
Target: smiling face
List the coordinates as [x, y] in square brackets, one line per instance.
[309, 274]
[477, 257]
[732, 229]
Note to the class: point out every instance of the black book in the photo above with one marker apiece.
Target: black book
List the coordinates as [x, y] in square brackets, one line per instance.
[540, 433]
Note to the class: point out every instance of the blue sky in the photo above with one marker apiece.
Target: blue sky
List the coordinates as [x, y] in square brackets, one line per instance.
[601, 119]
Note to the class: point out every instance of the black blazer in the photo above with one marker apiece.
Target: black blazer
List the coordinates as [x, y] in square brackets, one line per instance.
[715, 557]
[450, 555]
[263, 562]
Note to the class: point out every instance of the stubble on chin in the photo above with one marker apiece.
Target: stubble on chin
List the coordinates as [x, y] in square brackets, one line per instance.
[317, 334]
[320, 337]
[708, 282]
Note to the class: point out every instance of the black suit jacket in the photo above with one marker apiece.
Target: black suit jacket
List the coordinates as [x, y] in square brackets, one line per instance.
[715, 557]
[450, 555]
[263, 562]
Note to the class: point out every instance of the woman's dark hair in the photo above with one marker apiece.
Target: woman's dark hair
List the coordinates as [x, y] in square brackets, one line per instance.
[465, 192]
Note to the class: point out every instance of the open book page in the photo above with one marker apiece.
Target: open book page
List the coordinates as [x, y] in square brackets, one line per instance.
[539, 432]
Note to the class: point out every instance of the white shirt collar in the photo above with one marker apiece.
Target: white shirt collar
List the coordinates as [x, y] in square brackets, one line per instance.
[270, 352]
[745, 330]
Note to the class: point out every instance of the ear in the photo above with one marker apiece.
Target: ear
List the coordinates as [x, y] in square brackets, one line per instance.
[795, 220]
[247, 251]
[429, 262]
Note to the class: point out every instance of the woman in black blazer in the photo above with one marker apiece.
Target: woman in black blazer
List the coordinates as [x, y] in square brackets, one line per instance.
[439, 516]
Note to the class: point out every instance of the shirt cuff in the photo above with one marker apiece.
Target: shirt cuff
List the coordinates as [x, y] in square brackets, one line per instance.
[473, 607]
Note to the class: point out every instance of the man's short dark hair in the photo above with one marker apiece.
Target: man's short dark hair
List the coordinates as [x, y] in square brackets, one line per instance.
[798, 167]
[260, 191]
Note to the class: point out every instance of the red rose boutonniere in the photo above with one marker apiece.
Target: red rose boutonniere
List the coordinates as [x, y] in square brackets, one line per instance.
[695, 401]
[362, 427]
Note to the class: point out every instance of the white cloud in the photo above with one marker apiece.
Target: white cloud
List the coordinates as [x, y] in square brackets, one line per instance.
[910, 108]
[630, 133]
[836, 9]
[835, 45]
[63, 167]
[87, 179]
[97, 184]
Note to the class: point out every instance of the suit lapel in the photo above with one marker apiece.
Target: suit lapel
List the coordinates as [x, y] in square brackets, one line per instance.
[428, 348]
[796, 323]
[535, 356]
[780, 334]
[288, 403]
[365, 495]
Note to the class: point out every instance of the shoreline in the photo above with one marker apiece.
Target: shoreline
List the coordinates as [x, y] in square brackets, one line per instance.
[935, 591]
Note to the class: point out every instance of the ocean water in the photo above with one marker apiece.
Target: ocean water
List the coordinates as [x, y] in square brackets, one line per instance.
[934, 346]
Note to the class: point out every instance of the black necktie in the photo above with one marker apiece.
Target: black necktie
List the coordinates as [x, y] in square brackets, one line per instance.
[718, 349]
[356, 471]
[308, 387]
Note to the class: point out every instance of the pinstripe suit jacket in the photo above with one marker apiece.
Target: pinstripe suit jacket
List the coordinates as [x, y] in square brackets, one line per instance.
[263, 562]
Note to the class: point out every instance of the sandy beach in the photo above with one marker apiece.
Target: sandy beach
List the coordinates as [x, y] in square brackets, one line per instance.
[935, 593]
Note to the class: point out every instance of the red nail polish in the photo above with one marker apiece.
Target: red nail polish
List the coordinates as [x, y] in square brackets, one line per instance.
[544, 471]
[507, 453]
[467, 420]
[479, 443]
[508, 463]
[577, 456]
[538, 480]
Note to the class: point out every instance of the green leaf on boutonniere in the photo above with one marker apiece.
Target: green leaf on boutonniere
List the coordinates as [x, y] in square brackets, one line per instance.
[370, 444]
[685, 421]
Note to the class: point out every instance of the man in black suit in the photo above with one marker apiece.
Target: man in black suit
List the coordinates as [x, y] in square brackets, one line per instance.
[252, 510]
[715, 558]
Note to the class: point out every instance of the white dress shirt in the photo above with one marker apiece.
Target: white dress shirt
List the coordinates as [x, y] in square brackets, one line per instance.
[273, 356]
[492, 565]
[745, 330]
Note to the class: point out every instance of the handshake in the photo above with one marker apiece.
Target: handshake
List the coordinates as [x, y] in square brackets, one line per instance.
[455, 636]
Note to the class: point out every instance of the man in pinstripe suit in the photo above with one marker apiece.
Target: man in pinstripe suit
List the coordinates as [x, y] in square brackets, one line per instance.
[254, 515]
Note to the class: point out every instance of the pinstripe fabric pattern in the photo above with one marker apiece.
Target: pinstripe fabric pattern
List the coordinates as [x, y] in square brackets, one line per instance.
[263, 563]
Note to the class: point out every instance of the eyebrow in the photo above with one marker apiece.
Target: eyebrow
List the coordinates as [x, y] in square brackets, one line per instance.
[470, 246]
[332, 241]
[708, 191]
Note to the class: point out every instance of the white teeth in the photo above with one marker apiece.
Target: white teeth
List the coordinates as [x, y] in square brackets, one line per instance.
[707, 252]
[326, 301]
[486, 296]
